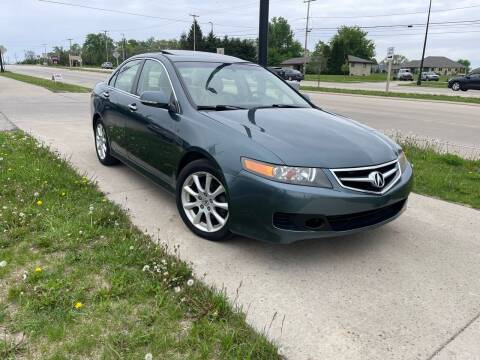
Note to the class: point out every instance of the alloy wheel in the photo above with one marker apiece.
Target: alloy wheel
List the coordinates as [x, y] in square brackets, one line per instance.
[204, 201]
[456, 86]
[101, 141]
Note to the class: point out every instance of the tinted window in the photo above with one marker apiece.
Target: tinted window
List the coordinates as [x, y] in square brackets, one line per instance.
[126, 75]
[153, 78]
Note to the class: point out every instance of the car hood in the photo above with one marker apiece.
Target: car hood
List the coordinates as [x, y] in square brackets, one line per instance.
[310, 137]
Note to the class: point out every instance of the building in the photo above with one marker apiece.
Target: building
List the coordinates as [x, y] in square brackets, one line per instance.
[358, 66]
[295, 63]
[439, 64]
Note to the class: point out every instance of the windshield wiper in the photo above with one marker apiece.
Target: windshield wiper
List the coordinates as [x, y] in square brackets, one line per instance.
[219, 107]
[283, 106]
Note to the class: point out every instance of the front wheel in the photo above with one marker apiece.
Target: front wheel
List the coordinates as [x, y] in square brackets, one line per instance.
[456, 86]
[202, 200]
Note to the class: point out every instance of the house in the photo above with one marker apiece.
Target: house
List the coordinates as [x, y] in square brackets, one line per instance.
[295, 63]
[358, 66]
[439, 64]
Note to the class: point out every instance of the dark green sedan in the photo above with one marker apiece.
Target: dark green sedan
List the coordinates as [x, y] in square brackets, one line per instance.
[245, 153]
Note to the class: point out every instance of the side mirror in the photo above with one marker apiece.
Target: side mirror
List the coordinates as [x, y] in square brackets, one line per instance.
[156, 99]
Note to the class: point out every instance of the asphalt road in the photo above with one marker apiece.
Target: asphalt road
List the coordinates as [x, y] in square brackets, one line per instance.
[77, 77]
[90, 78]
[395, 86]
[454, 124]
[408, 290]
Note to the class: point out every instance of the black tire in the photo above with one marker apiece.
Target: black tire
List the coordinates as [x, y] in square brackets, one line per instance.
[107, 159]
[463, 89]
[456, 86]
[202, 165]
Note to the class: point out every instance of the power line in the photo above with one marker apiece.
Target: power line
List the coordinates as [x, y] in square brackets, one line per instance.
[400, 25]
[133, 13]
[391, 14]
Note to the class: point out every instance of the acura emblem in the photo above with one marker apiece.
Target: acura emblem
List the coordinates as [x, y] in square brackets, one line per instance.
[376, 179]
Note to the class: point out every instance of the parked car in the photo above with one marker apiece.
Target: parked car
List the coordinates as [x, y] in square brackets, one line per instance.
[468, 82]
[107, 65]
[243, 152]
[403, 74]
[292, 75]
[277, 70]
[430, 76]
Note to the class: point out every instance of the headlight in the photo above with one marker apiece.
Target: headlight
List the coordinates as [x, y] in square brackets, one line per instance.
[288, 174]
[402, 160]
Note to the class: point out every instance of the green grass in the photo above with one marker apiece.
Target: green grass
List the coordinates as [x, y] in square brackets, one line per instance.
[391, 94]
[64, 243]
[444, 176]
[47, 84]
[347, 78]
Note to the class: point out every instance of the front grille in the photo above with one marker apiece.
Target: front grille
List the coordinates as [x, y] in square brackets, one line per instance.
[363, 219]
[376, 179]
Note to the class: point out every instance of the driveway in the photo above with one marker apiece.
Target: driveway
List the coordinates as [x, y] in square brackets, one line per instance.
[408, 290]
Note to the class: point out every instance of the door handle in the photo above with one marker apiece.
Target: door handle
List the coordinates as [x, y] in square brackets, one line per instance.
[133, 107]
[106, 94]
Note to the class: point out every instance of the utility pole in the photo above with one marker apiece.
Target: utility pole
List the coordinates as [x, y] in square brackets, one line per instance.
[1, 60]
[106, 43]
[123, 46]
[70, 52]
[307, 30]
[211, 26]
[263, 33]
[419, 81]
[194, 27]
[45, 53]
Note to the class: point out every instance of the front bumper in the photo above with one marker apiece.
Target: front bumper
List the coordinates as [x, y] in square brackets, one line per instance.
[254, 201]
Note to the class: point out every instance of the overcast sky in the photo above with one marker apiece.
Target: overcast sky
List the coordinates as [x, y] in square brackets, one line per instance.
[26, 24]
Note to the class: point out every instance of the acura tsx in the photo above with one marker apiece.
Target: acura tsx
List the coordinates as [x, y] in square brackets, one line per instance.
[245, 153]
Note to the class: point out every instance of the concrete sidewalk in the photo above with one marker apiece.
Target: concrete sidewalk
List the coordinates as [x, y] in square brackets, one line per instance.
[408, 290]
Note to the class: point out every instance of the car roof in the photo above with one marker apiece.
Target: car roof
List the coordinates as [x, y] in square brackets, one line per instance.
[188, 55]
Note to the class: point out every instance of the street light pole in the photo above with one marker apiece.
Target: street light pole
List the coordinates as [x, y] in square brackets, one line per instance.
[194, 33]
[70, 52]
[306, 37]
[419, 81]
[211, 26]
[123, 46]
[263, 33]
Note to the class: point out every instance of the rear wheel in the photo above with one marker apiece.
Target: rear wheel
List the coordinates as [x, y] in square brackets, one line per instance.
[102, 146]
[202, 200]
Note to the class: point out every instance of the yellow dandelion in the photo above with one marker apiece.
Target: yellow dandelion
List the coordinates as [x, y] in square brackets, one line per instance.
[104, 200]
[38, 269]
[78, 305]
[63, 193]
[39, 202]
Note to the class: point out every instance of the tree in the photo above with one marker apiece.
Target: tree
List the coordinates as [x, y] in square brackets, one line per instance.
[318, 59]
[465, 62]
[349, 41]
[186, 41]
[94, 52]
[281, 42]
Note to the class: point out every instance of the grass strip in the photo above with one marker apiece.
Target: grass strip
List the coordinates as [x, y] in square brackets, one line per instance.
[444, 176]
[428, 84]
[78, 280]
[347, 78]
[459, 99]
[46, 83]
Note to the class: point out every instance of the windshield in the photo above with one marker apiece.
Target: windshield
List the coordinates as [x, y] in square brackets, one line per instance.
[236, 86]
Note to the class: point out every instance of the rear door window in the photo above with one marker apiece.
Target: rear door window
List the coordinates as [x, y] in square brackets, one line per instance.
[126, 76]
